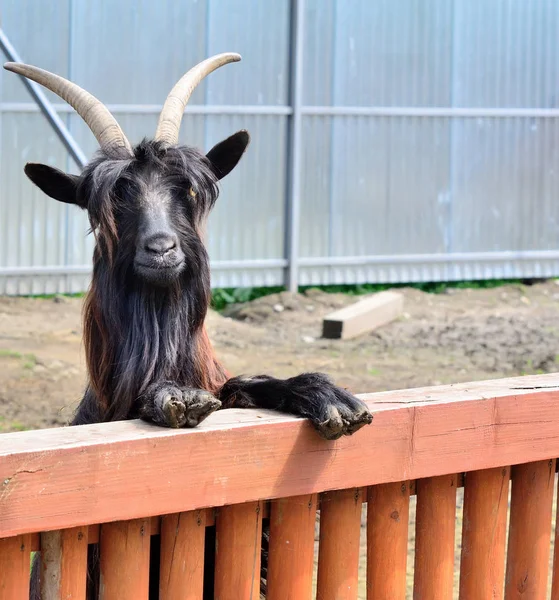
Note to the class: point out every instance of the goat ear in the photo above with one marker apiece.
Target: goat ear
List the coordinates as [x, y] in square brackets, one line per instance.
[225, 155]
[54, 183]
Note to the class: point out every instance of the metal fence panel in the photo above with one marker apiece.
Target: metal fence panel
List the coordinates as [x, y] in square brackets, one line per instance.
[505, 54]
[512, 202]
[428, 148]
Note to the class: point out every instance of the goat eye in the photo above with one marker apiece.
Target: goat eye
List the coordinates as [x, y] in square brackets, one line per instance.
[192, 193]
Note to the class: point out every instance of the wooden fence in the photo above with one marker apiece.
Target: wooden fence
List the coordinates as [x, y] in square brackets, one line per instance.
[117, 484]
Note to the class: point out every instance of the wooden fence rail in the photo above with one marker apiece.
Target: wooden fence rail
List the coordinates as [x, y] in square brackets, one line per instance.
[145, 495]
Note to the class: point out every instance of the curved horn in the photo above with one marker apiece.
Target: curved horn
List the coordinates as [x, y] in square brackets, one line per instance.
[96, 115]
[173, 109]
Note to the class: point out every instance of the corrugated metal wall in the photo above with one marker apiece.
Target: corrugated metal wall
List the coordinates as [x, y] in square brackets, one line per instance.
[428, 142]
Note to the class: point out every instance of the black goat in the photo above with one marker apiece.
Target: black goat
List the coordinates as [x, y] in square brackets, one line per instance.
[148, 354]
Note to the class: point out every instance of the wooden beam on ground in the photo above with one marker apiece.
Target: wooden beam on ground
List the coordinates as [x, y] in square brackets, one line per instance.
[67, 477]
[363, 316]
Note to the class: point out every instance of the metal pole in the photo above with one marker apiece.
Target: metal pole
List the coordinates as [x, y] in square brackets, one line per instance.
[46, 107]
[294, 148]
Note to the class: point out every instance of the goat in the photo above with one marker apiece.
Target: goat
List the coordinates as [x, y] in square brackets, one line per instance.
[147, 351]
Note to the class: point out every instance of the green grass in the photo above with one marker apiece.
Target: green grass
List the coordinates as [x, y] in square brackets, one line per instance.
[4, 353]
[11, 425]
[223, 297]
[436, 287]
[30, 360]
[51, 296]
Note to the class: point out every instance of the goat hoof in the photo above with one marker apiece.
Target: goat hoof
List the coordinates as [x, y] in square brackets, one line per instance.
[358, 420]
[198, 405]
[338, 424]
[332, 427]
[341, 414]
[174, 411]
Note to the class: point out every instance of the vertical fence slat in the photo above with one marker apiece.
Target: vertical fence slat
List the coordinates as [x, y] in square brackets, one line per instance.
[434, 538]
[64, 563]
[15, 568]
[338, 555]
[484, 530]
[238, 548]
[555, 581]
[291, 553]
[387, 540]
[124, 547]
[182, 555]
[530, 530]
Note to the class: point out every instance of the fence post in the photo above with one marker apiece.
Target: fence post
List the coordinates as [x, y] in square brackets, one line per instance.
[531, 507]
[14, 567]
[484, 532]
[291, 552]
[338, 558]
[293, 200]
[64, 563]
[388, 511]
[182, 555]
[434, 538]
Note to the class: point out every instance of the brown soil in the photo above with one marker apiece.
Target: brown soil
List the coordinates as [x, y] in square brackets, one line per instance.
[457, 336]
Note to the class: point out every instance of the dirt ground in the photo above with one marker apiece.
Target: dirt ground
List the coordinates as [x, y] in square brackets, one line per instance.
[460, 335]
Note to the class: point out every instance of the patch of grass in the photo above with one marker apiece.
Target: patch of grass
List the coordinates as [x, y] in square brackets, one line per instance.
[435, 287]
[5, 353]
[373, 371]
[6, 426]
[223, 297]
[51, 296]
[30, 361]
[17, 426]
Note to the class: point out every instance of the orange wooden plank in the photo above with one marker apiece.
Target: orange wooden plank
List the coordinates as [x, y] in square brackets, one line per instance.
[338, 555]
[64, 563]
[182, 556]
[155, 527]
[434, 538]
[15, 560]
[530, 530]
[238, 549]
[291, 551]
[124, 549]
[387, 540]
[34, 541]
[419, 433]
[484, 530]
[555, 581]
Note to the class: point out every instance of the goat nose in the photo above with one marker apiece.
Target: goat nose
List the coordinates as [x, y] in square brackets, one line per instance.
[160, 243]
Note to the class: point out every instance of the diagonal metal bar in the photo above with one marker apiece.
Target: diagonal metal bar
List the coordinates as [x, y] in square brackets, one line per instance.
[45, 105]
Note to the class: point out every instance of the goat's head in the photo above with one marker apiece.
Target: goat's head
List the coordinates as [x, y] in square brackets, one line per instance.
[147, 205]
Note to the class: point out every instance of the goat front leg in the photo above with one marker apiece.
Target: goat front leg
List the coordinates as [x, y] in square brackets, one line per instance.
[167, 404]
[332, 410]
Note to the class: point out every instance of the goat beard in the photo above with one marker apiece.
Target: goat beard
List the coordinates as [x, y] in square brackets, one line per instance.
[135, 334]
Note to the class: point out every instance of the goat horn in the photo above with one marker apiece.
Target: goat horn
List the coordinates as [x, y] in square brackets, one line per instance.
[173, 109]
[96, 115]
